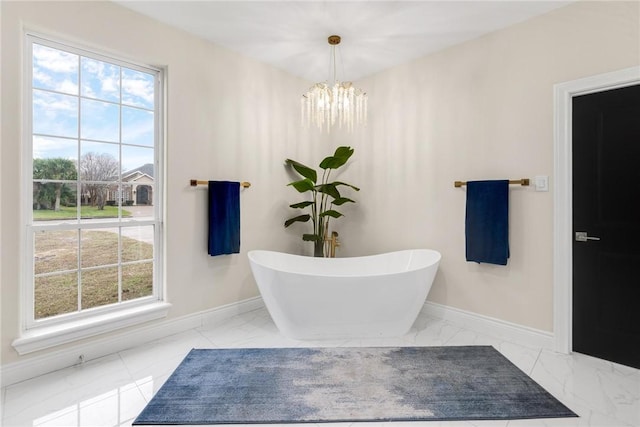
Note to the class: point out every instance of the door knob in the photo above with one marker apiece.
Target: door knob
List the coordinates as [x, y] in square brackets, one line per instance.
[581, 236]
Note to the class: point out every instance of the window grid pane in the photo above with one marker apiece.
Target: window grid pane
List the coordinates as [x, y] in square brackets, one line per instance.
[94, 149]
[57, 294]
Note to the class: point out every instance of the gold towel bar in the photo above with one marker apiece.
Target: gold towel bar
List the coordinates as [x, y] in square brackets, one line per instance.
[523, 182]
[195, 182]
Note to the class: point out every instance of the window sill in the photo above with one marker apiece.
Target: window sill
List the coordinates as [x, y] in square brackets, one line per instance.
[42, 338]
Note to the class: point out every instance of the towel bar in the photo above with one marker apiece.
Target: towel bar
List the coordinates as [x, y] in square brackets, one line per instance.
[195, 182]
[523, 182]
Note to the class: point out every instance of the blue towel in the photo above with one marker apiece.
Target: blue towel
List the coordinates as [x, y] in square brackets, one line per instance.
[224, 217]
[487, 222]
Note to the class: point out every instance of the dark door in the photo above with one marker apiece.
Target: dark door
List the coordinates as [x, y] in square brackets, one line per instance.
[606, 209]
[142, 196]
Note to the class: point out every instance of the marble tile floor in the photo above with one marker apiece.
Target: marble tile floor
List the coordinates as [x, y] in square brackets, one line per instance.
[112, 390]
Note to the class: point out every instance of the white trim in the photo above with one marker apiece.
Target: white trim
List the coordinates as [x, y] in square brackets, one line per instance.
[26, 245]
[37, 339]
[508, 331]
[33, 330]
[55, 360]
[225, 312]
[563, 196]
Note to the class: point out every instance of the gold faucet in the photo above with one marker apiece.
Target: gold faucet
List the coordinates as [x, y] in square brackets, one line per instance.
[333, 244]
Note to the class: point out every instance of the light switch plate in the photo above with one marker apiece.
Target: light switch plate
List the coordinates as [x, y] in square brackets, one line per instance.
[541, 182]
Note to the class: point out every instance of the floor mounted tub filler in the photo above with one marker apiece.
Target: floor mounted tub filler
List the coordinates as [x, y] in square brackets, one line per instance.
[357, 297]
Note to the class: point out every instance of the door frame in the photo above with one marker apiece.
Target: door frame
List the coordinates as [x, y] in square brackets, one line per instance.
[563, 94]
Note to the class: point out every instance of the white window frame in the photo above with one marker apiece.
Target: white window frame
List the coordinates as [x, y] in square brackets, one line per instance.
[43, 333]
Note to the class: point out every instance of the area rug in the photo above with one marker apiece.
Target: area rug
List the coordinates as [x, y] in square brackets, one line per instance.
[299, 385]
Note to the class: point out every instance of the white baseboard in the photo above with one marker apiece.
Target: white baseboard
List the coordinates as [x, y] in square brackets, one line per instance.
[58, 359]
[490, 326]
[54, 360]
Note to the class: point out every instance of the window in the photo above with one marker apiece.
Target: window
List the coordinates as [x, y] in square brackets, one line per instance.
[93, 184]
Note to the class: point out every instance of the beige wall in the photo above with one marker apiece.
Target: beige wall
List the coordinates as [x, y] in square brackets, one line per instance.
[480, 110]
[229, 117]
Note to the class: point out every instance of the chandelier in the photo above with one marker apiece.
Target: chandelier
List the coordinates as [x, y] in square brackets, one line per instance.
[324, 105]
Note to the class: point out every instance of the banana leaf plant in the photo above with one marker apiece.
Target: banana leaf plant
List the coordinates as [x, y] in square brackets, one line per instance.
[325, 195]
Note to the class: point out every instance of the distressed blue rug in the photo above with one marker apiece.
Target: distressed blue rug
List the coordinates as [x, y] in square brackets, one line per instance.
[296, 385]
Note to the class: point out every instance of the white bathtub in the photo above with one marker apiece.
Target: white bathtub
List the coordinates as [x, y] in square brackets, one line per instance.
[323, 298]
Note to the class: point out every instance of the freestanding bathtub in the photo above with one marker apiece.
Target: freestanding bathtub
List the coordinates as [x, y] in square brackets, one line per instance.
[324, 298]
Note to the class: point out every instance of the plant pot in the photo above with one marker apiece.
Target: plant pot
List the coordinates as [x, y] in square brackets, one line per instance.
[318, 249]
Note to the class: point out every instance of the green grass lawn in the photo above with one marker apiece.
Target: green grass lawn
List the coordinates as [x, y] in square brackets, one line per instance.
[57, 251]
[71, 213]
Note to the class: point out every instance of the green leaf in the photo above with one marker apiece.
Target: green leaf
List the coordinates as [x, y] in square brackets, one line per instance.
[329, 163]
[342, 201]
[338, 159]
[303, 185]
[329, 189]
[303, 170]
[343, 152]
[337, 183]
[310, 237]
[300, 205]
[331, 213]
[299, 218]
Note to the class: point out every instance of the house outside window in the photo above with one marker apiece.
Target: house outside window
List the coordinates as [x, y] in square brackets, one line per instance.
[93, 160]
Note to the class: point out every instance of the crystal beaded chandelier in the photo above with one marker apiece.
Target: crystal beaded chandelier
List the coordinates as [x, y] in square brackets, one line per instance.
[324, 105]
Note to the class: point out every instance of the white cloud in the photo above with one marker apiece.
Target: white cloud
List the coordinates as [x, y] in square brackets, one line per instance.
[55, 114]
[46, 147]
[100, 80]
[54, 104]
[55, 60]
[137, 88]
[55, 69]
[42, 77]
[67, 86]
[110, 85]
[100, 120]
[90, 65]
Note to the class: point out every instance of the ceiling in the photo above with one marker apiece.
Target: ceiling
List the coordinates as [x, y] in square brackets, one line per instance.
[376, 35]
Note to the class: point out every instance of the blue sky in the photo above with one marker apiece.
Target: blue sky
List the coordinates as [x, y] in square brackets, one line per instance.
[81, 100]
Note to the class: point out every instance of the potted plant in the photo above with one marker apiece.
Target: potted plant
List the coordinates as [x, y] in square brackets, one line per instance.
[324, 196]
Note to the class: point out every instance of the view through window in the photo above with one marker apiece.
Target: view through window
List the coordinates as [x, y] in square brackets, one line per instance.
[93, 231]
